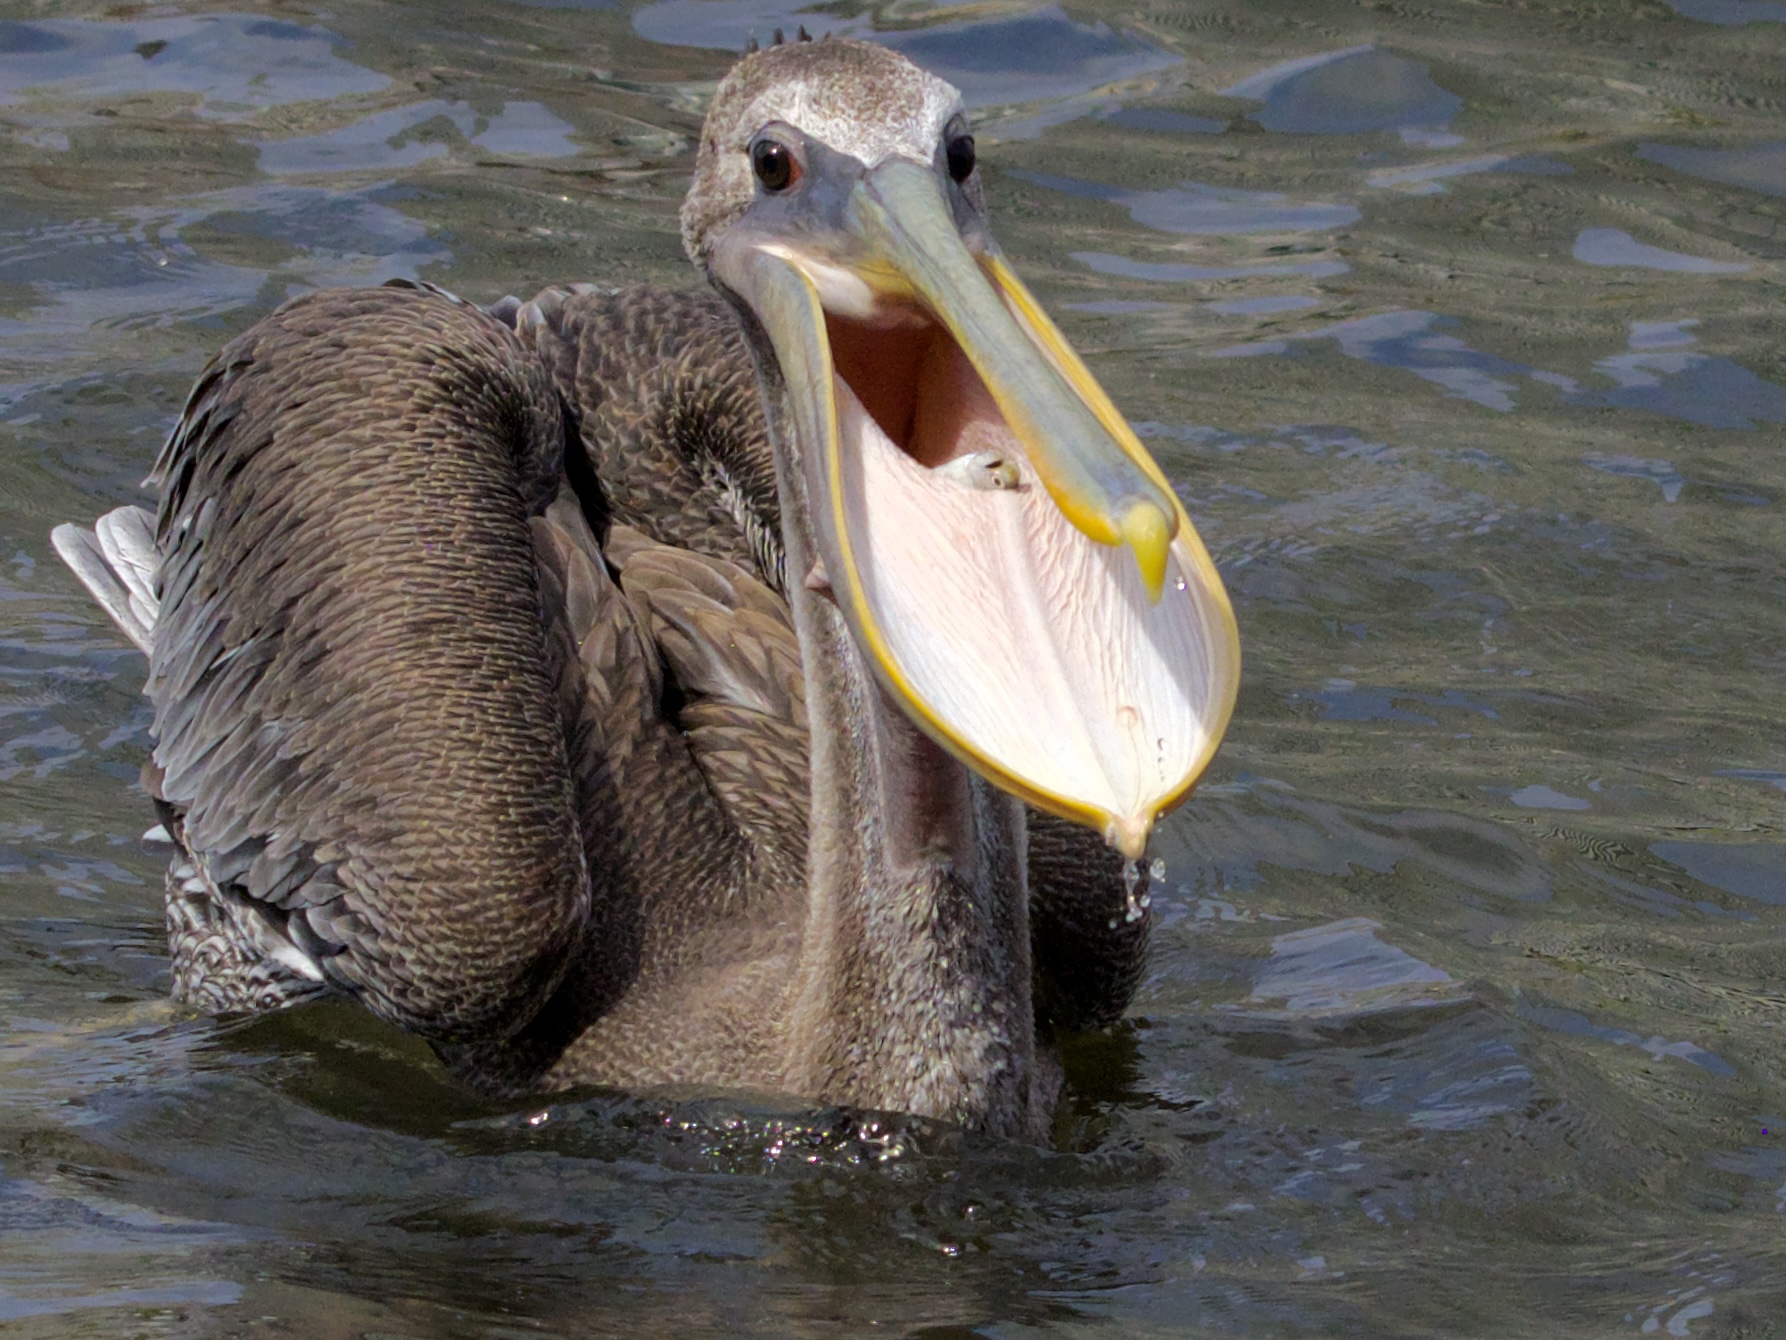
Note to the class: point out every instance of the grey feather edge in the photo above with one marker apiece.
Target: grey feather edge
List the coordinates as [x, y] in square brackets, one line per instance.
[116, 561]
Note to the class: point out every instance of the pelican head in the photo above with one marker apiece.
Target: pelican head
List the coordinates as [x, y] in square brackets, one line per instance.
[1006, 555]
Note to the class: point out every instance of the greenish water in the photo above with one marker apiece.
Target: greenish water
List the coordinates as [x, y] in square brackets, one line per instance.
[1459, 327]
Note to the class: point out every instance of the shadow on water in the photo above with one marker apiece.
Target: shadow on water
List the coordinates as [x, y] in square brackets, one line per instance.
[1457, 329]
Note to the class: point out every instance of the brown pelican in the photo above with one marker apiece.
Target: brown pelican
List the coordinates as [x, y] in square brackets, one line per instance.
[724, 689]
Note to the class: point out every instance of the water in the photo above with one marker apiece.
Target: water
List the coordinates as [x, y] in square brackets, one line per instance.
[1459, 327]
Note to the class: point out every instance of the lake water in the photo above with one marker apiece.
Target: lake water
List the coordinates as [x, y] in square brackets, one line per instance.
[1458, 325]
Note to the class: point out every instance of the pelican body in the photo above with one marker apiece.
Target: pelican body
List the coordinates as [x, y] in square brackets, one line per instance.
[751, 688]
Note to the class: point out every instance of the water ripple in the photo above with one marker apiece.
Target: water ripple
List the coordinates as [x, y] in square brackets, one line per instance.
[236, 64]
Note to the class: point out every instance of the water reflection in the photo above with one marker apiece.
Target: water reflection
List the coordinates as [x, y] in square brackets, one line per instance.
[1044, 55]
[1028, 57]
[1662, 374]
[1730, 11]
[1196, 207]
[1754, 870]
[1662, 474]
[405, 136]
[237, 64]
[45, 1221]
[1178, 272]
[1615, 247]
[138, 271]
[1343, 968]
[1777, 780]
[1762, 168]
[1541, 797]
[1766, 1164]
[1274, 827]
[1429, 178]
[1475, 1078]
[1658, 372]
[1351, 92]
[1163, 121]
[1344, 700]
[1569, 1021]
[1115, 307]
[1411, 341]
[730, 25]
[1267, 305]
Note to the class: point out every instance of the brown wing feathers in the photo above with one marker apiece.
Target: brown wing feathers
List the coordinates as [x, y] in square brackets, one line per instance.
[352, 700]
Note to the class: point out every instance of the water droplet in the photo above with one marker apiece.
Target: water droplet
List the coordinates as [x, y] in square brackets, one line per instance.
[1134, 908]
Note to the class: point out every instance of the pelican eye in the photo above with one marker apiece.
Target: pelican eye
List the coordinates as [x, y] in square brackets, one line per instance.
[775, 164]
[961, 157]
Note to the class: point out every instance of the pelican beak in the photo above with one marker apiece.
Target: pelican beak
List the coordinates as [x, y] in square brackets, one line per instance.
[1008, 557]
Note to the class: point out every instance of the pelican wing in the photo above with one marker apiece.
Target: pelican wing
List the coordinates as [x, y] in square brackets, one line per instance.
[666, 407]
[728, 643]
[680, 678]
[354, 715]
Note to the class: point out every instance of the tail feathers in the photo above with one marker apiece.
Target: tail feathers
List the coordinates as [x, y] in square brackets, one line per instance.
[229, 954]
[116, 561]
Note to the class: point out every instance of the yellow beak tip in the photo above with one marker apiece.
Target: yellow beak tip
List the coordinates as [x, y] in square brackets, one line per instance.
[1148, 531]
[1129, 834]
